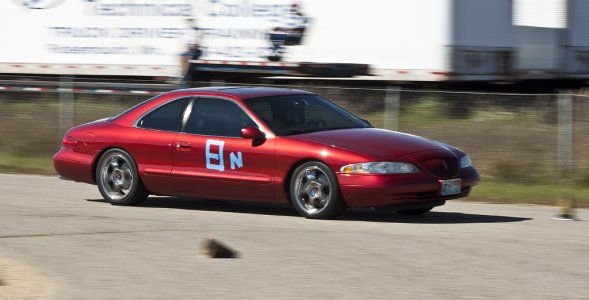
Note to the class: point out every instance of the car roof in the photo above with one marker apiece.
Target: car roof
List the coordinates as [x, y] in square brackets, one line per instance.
[245, 92]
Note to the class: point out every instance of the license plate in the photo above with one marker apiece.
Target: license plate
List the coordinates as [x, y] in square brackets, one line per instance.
[450, 187]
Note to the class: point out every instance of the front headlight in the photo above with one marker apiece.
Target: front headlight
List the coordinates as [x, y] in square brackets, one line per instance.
[384, 167]
[465, 162]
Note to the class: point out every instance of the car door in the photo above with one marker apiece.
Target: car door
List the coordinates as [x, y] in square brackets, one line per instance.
[212, 160]
[151, 140]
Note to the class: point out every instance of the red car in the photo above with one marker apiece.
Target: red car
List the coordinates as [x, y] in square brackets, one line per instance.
[265, 145]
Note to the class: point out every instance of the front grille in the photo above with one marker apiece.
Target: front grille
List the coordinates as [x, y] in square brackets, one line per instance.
[441, 167]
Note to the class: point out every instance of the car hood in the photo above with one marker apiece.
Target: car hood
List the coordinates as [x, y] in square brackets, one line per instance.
[373, 141]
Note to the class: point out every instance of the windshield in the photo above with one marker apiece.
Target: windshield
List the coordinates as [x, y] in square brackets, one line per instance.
[295, 114]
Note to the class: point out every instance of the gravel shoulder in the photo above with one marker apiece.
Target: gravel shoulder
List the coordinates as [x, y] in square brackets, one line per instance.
[19, 281]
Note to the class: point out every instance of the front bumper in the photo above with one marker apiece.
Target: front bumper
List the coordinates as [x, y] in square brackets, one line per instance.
[374, 190]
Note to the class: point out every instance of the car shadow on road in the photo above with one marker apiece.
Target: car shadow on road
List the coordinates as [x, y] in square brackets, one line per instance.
[432, 217]
[352, 214]
[215, 205]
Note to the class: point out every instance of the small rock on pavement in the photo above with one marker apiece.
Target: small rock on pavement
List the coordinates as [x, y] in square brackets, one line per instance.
[214, 249]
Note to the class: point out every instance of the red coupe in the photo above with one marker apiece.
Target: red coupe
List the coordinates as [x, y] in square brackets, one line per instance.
[265, 145]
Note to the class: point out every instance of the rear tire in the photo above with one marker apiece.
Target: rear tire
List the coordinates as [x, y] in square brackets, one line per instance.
[118, 179]
[314, 191]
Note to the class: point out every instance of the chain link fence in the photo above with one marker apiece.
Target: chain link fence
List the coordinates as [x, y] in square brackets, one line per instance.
[523, 138]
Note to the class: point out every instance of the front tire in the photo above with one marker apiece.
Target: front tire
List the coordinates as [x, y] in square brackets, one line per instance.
[314, 191]
[118, 179]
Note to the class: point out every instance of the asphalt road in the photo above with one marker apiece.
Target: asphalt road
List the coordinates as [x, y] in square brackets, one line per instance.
[59, 240]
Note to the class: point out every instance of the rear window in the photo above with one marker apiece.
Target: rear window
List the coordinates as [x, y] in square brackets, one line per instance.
[132, 108]
[167, 117]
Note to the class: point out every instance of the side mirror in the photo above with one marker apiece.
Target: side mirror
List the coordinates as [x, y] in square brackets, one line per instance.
[252, 133]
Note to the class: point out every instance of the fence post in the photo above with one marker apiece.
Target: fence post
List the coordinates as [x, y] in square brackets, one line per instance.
[66, 103]
[566, 200]
[565, 133]
[392, 103]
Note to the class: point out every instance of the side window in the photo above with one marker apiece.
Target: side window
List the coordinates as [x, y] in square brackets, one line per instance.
[167, 117]
[217, 117]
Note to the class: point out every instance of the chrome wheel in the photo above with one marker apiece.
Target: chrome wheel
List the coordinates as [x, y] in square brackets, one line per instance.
[314, 191]
[118, 180]
[116, 176]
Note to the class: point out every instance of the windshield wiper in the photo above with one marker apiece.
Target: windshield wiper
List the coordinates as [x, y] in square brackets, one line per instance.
[301, 131]
[309, 130]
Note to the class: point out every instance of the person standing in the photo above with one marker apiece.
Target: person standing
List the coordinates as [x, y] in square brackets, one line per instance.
[192, 50]
[288, 36]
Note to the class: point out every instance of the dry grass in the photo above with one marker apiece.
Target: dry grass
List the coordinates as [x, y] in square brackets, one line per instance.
[30, 121]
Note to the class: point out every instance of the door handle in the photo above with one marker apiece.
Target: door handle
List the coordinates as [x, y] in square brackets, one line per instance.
[183, 146]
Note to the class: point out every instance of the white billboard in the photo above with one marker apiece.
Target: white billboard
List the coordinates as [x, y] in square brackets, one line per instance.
[397, 39]
[131, 35]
